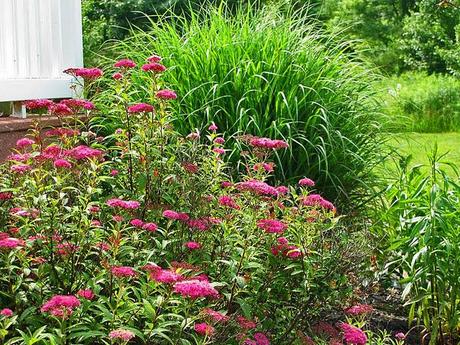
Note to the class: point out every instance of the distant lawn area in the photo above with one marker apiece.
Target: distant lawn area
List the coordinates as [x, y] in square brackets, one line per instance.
[419, 144]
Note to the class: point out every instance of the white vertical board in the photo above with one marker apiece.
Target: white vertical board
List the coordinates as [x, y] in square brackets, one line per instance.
[38, 40]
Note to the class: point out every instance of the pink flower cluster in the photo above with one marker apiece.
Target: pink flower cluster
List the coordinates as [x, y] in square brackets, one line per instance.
[166, 94]
[306, 182]
[140, 108]
[257, 187]
[38, 104]
[6, 312]
[123, 271]
[122, 334]
[215, 315]
[192, 245]
[267, 143]
[153, 67]
[124, 63]
[61, 305]
[204, 329]
[228, 201]
[359, 309]
[24, 142]
[86, 294]
[11, 243]
[283, 248]
[317, 200]
[6, 195]
[353, 335]
[272, 226]
[78, 104]
[195, 289]
[259, 339]
[176, 215]
[85, 73]
[84, 152]
[125, 204]
[164, 276]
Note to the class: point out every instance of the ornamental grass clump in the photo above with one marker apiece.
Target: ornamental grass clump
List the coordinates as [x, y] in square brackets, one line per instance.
[275, 75]
[142, 236]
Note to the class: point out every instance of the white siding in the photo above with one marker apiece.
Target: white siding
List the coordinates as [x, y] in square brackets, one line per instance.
[38, 40]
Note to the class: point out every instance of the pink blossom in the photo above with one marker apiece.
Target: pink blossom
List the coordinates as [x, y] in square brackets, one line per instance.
[88, 73]
[213, 127]
[219, 140]
[204, 329]
[226, 184]
[325, 329]
[271, 225]
[140, 108]
[61, 109]
[176, 215]
[199, 224]
[195, 289]
[152, 227]
[245, 323]
[353, 335]
[282, 240]
[61, 305]
[52, 152]
[192, 245]
[153, 67]
[19, 157]
[62, 132]
[77, 104]
[10, 243]
[122, 271]
[38, 104]
[282, 189]
[400, 336]
[359, 309]
[215, 315]
[66, 248]
[117, 218]
[117, 76]
[136, 223]
[165, 276]
[267, 143]
[193, 136]
[24, 142]
[127, 205]
[190, 167]
[6, 195]
[125, 63]
[228, 201]
[62, 163]
[114, 172]
[306, 182]
[154, 58]
[122, 334]
[261, 339]
[20, 168]
[84, 152]
[218, 150]
[6, 312]
[317, 200]
[257, 187]
[86, 294]
[96, 223]
[166, 94]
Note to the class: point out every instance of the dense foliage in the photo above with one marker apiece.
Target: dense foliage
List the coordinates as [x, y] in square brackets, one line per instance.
[422, 227]
[291, 87]
[416, 102]
[141, 237]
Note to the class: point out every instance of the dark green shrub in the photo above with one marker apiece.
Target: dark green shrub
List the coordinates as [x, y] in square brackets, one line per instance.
[271, 75]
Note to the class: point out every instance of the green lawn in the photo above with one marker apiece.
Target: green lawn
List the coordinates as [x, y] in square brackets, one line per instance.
[419, 144]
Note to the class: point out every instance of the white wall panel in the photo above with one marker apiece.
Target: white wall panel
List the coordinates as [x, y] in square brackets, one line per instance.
[38, 40]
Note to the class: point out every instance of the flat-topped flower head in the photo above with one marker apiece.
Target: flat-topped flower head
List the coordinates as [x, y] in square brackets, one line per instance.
[213, 127]
[125, 63]
[123, 271]
[272, 226]
[215, 315]
[204, 329]
[353, 335]
[317, 200]
[228, 201]
[140, 108]
[84, 152]
[166, 94]
[24, 142]
[244, 323]
[117, 76]
[257, 187]
[152, 227]
[176, 215]
[86, 294]
[195, 289]
[11, 243]
[6, 312]
[192, 245]
[267, 143]
[88, 73]
[165, 276]
[61, 305]
[154, 58]
[125, 204]
[38, 104]
[154, 67]
[306, 182]
[359, 309]
[78, 104]
[121, 334]
[62, 163]
[137, 223]
[61, 109]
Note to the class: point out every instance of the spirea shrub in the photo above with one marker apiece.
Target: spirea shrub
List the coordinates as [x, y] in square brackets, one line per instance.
[141, 237]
